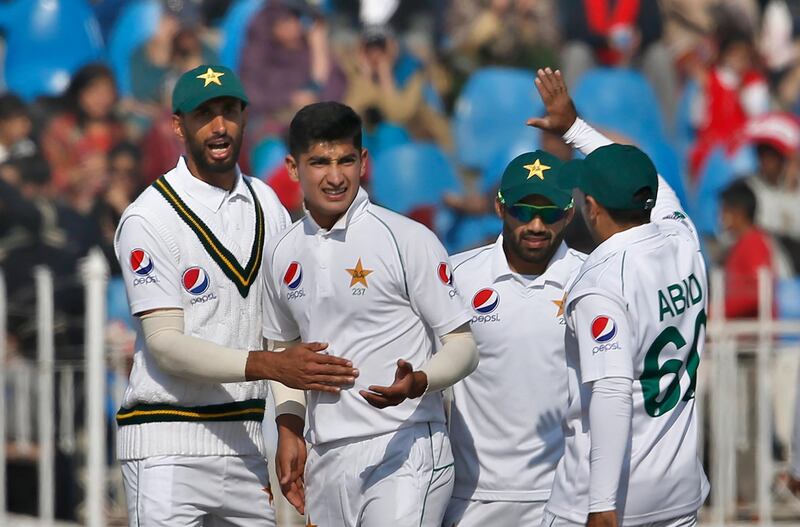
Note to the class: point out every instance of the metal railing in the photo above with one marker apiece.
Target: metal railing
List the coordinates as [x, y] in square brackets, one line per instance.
[28, 385]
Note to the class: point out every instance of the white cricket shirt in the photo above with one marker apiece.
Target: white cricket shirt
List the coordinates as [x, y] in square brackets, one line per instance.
[165, 265]
[377, 288]
[638, 310]
[505, 421]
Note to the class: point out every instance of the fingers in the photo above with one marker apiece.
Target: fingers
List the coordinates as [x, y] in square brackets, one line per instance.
[378, 401]
[331, 359]
[538, 123]
[318, 387]
[547, 78]
[316, 346]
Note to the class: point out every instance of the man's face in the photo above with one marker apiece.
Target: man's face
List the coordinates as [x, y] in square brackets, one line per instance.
[213, 133]
[771, 163]
[534, 241]
[329, 174]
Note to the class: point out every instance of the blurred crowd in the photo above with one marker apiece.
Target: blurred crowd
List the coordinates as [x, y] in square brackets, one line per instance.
[725, 74]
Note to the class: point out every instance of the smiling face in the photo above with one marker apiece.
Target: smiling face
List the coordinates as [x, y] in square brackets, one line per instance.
[329, 173]
[530, 245]
[212, 133]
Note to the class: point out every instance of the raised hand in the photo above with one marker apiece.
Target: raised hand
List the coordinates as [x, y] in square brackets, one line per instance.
[560, 109]
[408, 384]
[303, 367]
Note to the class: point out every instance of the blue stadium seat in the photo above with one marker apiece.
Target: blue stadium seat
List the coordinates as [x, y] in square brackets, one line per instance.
[133, 27]
[117, 302]
[788, 298]
[526, 140]
[716, 174]
[669, 166]
[490, 112]
[409, 176]
[684, 129]
[385, 136]
[233, 30]
[266, 156]
[621, 100]
[46, 42]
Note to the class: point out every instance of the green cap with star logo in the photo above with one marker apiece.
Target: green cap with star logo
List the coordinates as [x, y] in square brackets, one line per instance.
[534, 173]
[204, 83]
[615, 176]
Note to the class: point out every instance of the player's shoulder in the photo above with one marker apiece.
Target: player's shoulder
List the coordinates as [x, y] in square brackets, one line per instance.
[467, 261]
[150, 206]
[288, 239]
[405, 231]
[275, 212]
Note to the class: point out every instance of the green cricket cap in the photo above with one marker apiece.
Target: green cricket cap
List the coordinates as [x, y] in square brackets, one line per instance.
[613, 175]
[204, 83]
[531, 173]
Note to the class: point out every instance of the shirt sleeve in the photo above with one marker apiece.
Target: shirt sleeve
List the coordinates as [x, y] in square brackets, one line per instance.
[278, 323]
[149, 266]
[605, 339]
[431, 289]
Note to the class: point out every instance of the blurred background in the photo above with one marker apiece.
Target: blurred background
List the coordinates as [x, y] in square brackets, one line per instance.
[710, 89]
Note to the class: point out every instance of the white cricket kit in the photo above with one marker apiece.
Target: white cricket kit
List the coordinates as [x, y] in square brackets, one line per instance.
[188, 245]
[638, 311]
[377, 287]
[505, 422]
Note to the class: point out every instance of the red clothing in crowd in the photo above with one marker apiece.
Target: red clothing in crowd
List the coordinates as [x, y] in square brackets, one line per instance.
[752, 252]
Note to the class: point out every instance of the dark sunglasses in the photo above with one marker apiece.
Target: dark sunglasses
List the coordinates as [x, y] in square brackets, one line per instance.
[548, 213]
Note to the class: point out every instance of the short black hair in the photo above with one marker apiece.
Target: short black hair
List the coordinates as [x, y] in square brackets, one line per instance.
[11, 105]
[739, 196]
[634, 216]
[33, 169]
[323, 121]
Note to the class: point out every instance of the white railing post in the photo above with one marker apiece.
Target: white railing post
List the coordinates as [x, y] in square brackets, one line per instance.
[95, 279]
[3, 414]
[45, 345]
[763, 450]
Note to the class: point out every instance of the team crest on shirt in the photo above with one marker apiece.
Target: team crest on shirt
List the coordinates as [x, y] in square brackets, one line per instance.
[292, 279]
[358, 276]
[560, 304]
[604, 330]
[142, 266]
[484, 302]
[195, 281]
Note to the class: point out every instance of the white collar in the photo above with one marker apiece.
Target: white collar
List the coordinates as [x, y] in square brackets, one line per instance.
[557, 271]
[208, 195]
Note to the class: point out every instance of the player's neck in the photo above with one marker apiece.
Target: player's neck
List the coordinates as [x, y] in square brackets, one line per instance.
[224, 180]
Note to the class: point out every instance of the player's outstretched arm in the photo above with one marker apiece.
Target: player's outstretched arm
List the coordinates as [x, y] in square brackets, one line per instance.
[457, 358]
[303, 367]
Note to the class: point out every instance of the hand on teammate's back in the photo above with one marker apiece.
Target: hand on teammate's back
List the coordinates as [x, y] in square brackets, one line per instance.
[290, 460]
[561, 112]
[408, 384]
[303, 367]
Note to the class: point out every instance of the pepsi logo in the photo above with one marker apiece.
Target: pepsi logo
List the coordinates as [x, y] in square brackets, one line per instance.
[445, 275]
[141, 263]
[195, 280]
[485, 301]
[293, 276]
[603, 329]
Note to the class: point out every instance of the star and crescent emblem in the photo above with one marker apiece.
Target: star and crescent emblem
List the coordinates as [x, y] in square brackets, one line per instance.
[358, 275]
[211, 77]
[536, 169]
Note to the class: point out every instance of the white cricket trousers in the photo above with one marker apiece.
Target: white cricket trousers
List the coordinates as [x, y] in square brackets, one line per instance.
[690, 520]
[208, 491]
[399, 479]
[478, 513]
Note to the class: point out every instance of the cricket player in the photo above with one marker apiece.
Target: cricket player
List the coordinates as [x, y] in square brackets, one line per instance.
[505, 420]
[378, 287]
[636, 318]
[190, 247]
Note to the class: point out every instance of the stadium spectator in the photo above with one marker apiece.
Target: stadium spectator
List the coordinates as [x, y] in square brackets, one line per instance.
[730, 93]
[386, 83]
[76, 142]
[515, 33]
[285, 66]
[15, 128]
[618, 33]
[775, 184]
[750, 249]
